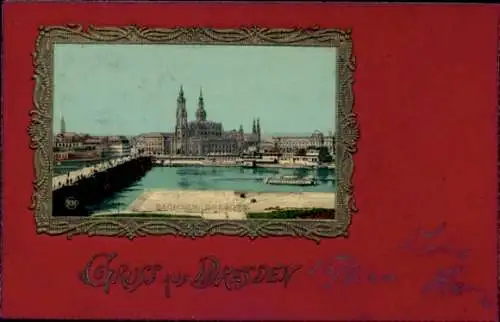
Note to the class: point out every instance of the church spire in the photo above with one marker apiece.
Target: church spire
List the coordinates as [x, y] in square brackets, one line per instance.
[254, 127]
[180, 97]
[241, 132]
[258, 126]
[181, 107]
[62, 128]
[201, 114]
[201, 103]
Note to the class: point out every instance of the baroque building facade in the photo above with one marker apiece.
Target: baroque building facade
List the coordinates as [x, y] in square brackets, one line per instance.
[202, 137]
[290, 145]
[154, 143]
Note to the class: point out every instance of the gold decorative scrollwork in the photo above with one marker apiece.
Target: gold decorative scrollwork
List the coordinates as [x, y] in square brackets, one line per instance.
[40, 129]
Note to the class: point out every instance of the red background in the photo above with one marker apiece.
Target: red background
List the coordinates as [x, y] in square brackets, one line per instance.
[426, 96]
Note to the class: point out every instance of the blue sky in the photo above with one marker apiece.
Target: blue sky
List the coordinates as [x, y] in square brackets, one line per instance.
[108, 89]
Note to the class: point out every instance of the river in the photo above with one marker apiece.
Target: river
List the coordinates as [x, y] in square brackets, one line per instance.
[214, 178]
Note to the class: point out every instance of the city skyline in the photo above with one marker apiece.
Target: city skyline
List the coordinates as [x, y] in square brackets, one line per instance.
[129, 89]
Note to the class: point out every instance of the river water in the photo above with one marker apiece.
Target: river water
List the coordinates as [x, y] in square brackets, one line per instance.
[214, 178]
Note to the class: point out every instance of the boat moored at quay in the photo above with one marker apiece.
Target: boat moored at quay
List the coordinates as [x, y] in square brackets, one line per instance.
[291, 180]
[238, 162]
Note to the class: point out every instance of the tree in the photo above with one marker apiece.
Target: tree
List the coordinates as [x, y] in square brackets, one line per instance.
[324, 156]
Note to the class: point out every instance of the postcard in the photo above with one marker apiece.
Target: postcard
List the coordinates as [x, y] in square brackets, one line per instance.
[191, 126]
[210, 161]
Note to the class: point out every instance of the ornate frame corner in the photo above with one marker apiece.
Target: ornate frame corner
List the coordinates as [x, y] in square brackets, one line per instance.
[40, 129]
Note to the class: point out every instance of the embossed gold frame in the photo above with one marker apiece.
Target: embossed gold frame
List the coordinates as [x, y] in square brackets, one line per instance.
[40, 130]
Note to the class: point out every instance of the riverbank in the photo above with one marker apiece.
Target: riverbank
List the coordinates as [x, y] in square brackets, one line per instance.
[227, 164]
[226, 204]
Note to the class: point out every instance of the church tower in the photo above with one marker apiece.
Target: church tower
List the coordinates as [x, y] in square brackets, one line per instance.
[257, 130]
[201, 114]
[241, 138]
[181, 134]
[62, 126]
[254, 127]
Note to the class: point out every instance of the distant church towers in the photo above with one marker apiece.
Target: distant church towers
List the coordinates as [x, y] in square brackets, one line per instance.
[201, 114]
[256, 127]
[181, 124]
[62, 126]
[256, 131]
[200, 136]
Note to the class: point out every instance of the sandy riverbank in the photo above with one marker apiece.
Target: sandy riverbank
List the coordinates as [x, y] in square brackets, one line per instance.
[226, 204]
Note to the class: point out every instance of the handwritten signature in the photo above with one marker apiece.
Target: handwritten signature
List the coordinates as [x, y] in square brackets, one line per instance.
[446, 281]
[103, 271]
[426, 242]
[346, 270]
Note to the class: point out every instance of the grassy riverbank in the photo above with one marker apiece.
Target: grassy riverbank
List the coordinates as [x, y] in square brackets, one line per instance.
[146, 215]
[314, 213]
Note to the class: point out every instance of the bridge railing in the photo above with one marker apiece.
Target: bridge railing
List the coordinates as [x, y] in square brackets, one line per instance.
[69, 166]
[74, 175]
[60, 170]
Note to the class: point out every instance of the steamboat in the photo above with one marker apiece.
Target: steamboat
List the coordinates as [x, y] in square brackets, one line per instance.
[291, 180]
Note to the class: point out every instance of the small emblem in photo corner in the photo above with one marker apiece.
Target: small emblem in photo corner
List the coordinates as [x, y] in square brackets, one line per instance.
[71, 203]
